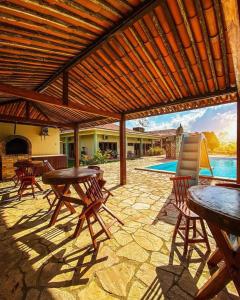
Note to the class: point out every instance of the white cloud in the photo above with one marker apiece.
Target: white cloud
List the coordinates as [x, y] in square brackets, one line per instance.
[186, 119]
[227, 124]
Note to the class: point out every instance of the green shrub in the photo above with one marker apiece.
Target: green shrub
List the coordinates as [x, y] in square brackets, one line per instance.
[156, 150]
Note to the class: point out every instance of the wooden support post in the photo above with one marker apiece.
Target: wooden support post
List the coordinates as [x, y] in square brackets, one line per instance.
[141, 147]
[123, 167]
[76, 146]
[238, 139]
[95, 143]
[65, 88]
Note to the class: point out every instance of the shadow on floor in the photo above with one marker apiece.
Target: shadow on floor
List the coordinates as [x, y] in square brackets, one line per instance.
[179, 282]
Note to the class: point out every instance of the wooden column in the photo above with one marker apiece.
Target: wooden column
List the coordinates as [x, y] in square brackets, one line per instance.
[76, 146]
[141, 147]
[123, 167]
[238, 139]
[95, 143]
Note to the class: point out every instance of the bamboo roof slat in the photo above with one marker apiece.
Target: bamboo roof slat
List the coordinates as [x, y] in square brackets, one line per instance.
[113, 57]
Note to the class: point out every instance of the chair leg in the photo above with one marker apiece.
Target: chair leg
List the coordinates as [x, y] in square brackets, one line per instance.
[79, 227]
[33, 191]
[56, 213]
[177, 226]
[100, 221]
[91, 233]
[38, 186]
[194, 228]
[186, 237]
[205, 234]
[53, 203]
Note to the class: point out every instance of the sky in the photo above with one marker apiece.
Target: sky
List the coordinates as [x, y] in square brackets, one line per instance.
[220, 119]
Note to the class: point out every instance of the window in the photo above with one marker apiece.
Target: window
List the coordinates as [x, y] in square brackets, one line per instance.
[105, 146]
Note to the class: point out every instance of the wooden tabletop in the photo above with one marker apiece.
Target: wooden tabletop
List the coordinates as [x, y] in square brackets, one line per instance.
[217, 205]
[28, 163]
[68, 176]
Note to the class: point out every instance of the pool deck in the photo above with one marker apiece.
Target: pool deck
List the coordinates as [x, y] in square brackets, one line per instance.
[138, 262]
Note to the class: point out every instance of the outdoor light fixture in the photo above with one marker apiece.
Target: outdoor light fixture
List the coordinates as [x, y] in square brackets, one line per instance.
[44, 132]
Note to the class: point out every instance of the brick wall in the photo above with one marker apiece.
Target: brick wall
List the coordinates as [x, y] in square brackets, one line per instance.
[8, 164]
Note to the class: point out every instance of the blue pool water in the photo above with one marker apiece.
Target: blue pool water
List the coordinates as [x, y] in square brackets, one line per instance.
[222, 167]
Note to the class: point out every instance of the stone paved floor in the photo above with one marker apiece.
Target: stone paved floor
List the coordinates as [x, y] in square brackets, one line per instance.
[138, 262]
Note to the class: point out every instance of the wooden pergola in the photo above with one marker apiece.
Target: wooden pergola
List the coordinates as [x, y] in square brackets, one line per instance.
[89, 62]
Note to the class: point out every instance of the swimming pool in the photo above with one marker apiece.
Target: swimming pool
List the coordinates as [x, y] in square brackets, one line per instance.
[222, 167]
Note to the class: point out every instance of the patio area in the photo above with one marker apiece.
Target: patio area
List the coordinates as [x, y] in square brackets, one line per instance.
[138, 262]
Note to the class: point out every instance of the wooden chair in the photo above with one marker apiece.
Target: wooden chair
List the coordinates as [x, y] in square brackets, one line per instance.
[102, 183]
[94, 204]
[28, 179]
[180, 188]
[48, 167]
[19, 172]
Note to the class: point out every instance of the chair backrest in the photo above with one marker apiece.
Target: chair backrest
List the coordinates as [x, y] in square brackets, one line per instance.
[48, 166]
[180, 188]
[97, 168]
[93, 190]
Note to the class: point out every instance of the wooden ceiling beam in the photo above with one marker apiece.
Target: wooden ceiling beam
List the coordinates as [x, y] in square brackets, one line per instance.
[169, 50]
[12, 119]
[184, 107]
[144, 65]
[10, 101]
[195, 49]
[185, 100]
[136, 13]
[179, 44]
[159, 55]
[148, 88]
[40, 110]
[206, 40]
[222, 39]
[152, 62]
[231, 11]
[128, 84]
[45, 99]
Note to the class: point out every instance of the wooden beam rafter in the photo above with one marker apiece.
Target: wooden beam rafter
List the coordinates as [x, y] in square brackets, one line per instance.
[206, 40]
[231, 12]
[23, 120]
[50, 100]
[184, 100]
[195, 49]
[135, 14]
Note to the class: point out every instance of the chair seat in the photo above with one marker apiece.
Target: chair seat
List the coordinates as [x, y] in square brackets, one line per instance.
[182, 207]
[26, 179]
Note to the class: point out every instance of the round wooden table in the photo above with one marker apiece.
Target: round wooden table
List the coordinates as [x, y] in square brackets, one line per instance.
[220, 207]
[68, 176]
[85, 183]
[61, 180]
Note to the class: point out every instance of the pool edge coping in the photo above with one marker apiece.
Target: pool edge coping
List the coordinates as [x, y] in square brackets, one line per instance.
[201, 176]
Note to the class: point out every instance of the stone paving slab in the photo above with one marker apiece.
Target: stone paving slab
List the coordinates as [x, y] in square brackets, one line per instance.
[140, 261]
